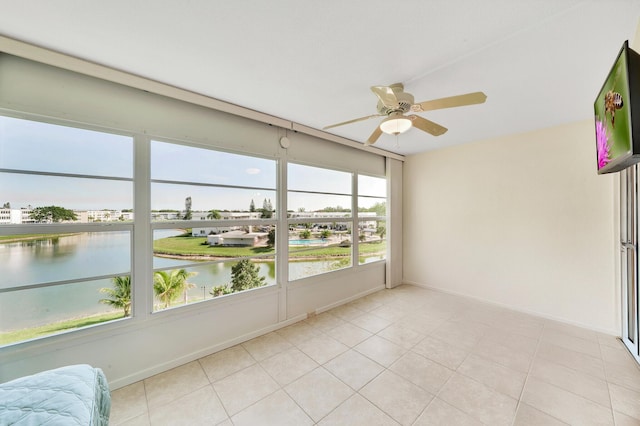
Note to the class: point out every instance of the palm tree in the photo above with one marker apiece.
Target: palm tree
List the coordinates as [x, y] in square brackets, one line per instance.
[120, 294]
[168, 285]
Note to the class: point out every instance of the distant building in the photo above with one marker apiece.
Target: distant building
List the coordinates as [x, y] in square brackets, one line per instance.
[16, 216]
[208, 230]
[237, 239]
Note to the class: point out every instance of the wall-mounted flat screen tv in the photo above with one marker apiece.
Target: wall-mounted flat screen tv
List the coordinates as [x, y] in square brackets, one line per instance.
[617, 114]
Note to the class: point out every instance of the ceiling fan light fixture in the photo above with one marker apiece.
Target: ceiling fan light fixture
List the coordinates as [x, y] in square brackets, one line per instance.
[395, 124]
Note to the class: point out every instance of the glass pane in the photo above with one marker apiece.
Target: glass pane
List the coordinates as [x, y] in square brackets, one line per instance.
[176, 200]
[372, 245]
[372, 206]
[182, 286]
[31, 145]
[37, 259]
[318, 205]
[177, 247]
[32, 313]
[372, 186]
[316, 179]
[189, 164]
[23, 191]
[318, 248]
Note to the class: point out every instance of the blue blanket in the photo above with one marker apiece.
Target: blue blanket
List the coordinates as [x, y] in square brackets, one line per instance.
[73, 395]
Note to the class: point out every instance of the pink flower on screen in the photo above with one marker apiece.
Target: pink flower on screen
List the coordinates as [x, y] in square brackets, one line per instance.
[602, 143]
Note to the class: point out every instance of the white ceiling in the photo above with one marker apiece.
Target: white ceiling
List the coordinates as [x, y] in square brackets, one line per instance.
[540, 62]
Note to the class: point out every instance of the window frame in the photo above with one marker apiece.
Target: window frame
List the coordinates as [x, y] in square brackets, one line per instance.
[74, 227]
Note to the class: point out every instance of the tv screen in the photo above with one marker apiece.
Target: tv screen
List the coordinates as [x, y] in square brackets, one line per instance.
[617, 129]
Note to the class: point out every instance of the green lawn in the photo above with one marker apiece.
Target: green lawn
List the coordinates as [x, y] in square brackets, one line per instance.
[196, 246]
[58, 327]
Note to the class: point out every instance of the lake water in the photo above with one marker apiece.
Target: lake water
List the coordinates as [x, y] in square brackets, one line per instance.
[105, 253]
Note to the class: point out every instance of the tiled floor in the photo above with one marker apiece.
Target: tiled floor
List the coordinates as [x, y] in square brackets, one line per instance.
[406, 356]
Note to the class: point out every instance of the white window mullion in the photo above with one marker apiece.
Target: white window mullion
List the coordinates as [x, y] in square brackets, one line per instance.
[142, 273]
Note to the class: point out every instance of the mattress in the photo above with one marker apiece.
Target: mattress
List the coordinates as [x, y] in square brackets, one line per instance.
[72, 395]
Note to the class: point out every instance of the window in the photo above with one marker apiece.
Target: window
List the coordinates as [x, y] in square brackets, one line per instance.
[63, 266]
[372, 224]
[320, 220]
[227, 243]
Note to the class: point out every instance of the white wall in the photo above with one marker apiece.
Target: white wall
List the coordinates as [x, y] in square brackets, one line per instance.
[522, 221]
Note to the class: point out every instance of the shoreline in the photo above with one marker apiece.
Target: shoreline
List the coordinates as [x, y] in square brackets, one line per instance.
[226, 258]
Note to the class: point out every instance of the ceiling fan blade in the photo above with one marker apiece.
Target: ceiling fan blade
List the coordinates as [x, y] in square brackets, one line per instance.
[450, 102]
[355, 120]
[374, 136]
[386, 96]
[427, 126]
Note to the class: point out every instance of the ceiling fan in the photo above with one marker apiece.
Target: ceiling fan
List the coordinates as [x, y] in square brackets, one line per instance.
[394, 102]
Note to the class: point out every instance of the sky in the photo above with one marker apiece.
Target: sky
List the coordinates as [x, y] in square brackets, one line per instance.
[43, 147]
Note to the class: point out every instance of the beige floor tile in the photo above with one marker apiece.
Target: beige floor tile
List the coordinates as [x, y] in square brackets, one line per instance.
[318, 371]
[346, 312]
[288, 366]
[276, 409]
[197, 408]
[348, 334]
[479, 401]
[357, 411]
[625, 401]
[619, 355]
[324, 322]
[354, 369]
[531, 329]
[514, 358]
[318, 393]
[564, 405]
[496, 376]
[364, 304]
[142, 420]
[439, 413]
[568, 341]
[371, 323]
[403, 336]
[624, 420]
[380, 350]
[441, 352]
[241, 389]
[298, 332]
[224, 363]
[396, 396]
[266, 346]
[322, 348]
[529, 416]
[572, 359]
[420, 323]
[127, 403]
[571, 380]
[623, 375]
[610, 341]
[511, 340]
[461, 334]
[427, 374]
[389, 312]
[165, 387]
[572, 330]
